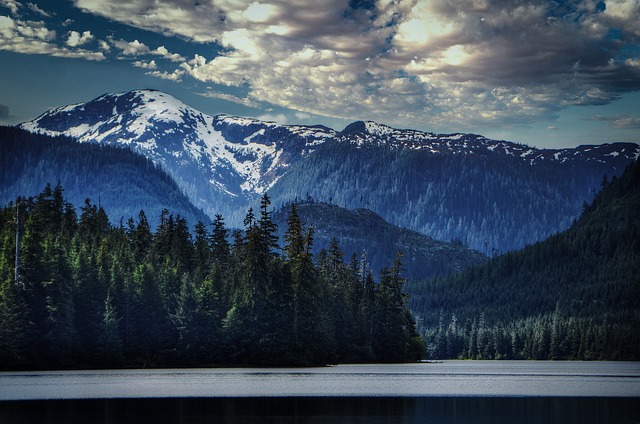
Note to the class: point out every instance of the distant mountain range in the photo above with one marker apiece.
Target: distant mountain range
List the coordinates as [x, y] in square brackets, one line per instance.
[491, 195]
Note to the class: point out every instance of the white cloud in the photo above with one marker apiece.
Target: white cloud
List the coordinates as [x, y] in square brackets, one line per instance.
[131, 48]
[76, 39]
[145, 65]
[279, 118]
[31, 37]
[162, 51]
[104, 46]
[257, 12]
[175, 76]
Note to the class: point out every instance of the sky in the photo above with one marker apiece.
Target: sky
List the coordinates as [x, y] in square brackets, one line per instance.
[549, 74]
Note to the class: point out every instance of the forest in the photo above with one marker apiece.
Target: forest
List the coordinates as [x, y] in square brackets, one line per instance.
[118, 179]
[574, 296]
[88, 294]
[492, 203]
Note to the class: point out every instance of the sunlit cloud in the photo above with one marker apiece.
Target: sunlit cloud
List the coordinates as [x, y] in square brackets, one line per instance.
[145, 65]
[162, 51]
[131, 48]
[175, 76]
[33, 37]
[76, 39]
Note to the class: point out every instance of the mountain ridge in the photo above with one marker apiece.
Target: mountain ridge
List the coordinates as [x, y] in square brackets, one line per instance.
[224, 164]
[362, 231]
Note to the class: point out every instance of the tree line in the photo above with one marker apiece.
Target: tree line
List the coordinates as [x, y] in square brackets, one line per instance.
[574, 296]
[92, 294]
[553, 336]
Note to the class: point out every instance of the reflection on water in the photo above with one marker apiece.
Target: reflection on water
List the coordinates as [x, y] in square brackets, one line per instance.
[342, 410]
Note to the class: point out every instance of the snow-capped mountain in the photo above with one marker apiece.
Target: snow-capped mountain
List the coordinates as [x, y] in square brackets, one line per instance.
[219, 161]
[465, 187]
[368, 133]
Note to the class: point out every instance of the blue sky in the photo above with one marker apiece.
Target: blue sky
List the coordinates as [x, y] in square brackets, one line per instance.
[548, 74]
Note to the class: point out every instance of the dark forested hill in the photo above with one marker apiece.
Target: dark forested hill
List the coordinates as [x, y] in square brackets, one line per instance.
[575, 295]
[361, 230]
[122, 181]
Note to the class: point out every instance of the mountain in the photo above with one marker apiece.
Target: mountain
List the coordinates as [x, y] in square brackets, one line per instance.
[222, 163]
[363, 231]
[492, 195]
[121, 181]
[579, 289]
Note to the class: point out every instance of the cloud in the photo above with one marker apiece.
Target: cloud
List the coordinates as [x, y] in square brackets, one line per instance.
[437, 62]
[104, 45]
[33, 37]
[76, 39]
[145, 65]
[34, 8]
[279, 118]
[175, 76]
[4, 112]
[162, 51]
[230, 98]
[137, 48]
[620, 121]
[12, 5]
[131, 48]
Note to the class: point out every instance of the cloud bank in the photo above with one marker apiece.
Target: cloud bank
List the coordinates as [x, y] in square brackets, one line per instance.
[408, 62]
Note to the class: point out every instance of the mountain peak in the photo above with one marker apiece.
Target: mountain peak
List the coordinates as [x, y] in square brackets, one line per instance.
[367, 127]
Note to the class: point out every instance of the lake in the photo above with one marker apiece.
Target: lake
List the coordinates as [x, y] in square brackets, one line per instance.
[446, 392]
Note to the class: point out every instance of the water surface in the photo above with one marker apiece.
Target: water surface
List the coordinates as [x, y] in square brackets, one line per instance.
[449, 378]
[452, 392]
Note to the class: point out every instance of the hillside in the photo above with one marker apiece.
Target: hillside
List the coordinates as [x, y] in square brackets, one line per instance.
[361, 230]
[580, 287]
[122, 181]
[489, 197]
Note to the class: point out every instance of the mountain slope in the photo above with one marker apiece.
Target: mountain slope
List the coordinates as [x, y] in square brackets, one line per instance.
[448, 186]
[361, 230]
[121, 181]
[466, 188]
[589, 275]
